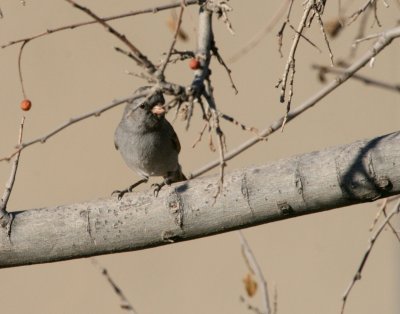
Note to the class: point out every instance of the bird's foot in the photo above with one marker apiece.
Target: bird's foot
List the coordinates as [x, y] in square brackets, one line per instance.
[157, 187]
[121, 193]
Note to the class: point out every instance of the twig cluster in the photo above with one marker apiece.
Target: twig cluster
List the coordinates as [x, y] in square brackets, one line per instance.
[312, 9]
[200, 91]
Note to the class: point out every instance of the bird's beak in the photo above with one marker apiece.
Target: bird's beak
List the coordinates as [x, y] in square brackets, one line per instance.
[158, 110]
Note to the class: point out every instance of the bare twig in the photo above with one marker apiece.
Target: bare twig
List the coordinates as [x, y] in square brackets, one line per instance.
[125, 304]
[364, 259]
[208, 95]
[369, 81]
[6, 217]
[367, 5]
[321, 24]
[249, 306]
[222, 62]
[256, 39]
[108, 18]
[381, 43]
[21, 79]
[178, 26]
[282, 29]
[291, 58]
[251, 259]
[201, 134]
[236, 122]
[369, 37]
[144, 61]
[70, 122]
[382, 210]
[221, 8]
[306, 39]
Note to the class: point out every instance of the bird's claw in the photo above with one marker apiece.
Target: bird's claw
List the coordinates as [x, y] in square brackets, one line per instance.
[157, 188]
[129, 189]
[119, 193]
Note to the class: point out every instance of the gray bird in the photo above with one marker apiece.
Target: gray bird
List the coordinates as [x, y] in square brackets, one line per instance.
[147, 141]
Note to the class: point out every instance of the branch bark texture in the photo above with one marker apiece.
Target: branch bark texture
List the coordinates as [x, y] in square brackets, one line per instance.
[335, 177]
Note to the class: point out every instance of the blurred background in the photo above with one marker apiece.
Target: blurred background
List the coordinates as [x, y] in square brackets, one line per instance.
[309, 260]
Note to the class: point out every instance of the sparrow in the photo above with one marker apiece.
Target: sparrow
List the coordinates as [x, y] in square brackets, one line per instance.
[147, 141]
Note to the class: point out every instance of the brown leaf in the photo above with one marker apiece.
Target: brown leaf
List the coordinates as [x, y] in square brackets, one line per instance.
[333, 27]
[250, 285]
[171, 23]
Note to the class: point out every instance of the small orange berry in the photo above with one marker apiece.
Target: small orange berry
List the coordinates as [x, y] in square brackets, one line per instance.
[194, 64]
[26, 104]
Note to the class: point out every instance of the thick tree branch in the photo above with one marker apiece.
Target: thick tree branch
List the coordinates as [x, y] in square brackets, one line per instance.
[359, 172]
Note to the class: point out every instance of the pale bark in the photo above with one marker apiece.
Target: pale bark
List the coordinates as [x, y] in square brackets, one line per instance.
[359, 172]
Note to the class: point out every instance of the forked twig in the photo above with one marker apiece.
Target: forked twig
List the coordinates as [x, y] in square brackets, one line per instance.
[382, 210]
[222, 62]
[178, 26]
[380, 44]
[107, 18]
[144, 61]
[291, 58]
[252, 262]
[253, 42]
[364, 79]
[70, 122]
[364, 259]
[6, 218]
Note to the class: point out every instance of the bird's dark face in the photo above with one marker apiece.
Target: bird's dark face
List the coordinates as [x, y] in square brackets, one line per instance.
[146, 112]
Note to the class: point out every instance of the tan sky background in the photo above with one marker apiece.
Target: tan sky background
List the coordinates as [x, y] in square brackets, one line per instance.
[310, 260]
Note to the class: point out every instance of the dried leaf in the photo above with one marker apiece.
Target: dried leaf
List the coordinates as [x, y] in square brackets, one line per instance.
[171, 23]
[333, 27]
[250, 285]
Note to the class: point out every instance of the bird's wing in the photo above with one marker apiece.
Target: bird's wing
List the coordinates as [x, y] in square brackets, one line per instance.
[174, 138]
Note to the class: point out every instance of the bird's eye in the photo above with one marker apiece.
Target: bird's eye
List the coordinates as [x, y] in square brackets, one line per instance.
[142, 106]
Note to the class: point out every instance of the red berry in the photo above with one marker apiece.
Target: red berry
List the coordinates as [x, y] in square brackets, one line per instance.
[26, 104]
[194, 64]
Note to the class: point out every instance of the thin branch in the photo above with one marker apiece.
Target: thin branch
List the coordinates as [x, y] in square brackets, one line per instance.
[208, 95]
[125, 304]
[178, 27]
[382, 210]
[360, 32]
[381, 43]
[236, 122]
[369, 37]
[291, 58]
[207, 124]
[108, 18]
[256, 39]
[21, 79]
[222, 62]
[70, 122]
[6, 218]
[321, 24]
[144, 61]
[364, 259]
[366, 80]
[248, 253]
[306, 39]
[367, 5]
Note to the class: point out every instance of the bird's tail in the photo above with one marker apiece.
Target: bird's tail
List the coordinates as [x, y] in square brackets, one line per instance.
[177, 176]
